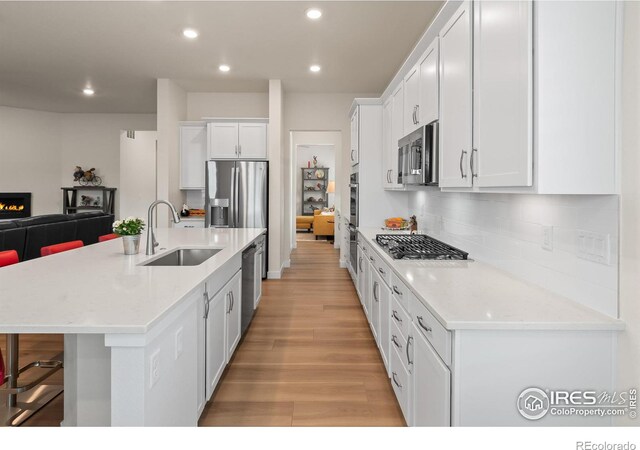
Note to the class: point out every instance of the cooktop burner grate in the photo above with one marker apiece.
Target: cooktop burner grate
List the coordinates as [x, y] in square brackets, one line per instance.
[418, 246]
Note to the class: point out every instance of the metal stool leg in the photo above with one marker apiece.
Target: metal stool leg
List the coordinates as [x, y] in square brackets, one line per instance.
[13, 349]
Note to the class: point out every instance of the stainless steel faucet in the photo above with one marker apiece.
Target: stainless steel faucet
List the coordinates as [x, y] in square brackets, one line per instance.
[151, 239]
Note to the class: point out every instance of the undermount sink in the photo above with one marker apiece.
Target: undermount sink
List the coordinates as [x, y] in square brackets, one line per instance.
[184, 257]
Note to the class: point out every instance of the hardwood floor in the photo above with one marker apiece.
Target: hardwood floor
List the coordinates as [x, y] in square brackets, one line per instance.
[308, 358]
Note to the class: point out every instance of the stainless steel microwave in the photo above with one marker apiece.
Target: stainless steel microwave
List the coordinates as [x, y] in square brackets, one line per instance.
[418, 156]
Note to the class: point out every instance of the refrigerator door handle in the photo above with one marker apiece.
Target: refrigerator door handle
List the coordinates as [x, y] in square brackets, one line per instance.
[237, 204]
[232, 214]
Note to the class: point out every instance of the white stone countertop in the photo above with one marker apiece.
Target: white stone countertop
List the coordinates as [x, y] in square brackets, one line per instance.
[98, 289]
[473, 295]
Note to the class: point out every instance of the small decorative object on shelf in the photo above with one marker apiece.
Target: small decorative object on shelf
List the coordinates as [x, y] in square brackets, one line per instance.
[86, 177]
[413, 224]
[130, 230]
[185, 210]
[315, 161]
[320, 174]
[86, 200]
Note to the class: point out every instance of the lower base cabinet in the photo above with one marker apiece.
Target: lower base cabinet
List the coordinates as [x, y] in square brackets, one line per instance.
[234, 313]
[431, 394]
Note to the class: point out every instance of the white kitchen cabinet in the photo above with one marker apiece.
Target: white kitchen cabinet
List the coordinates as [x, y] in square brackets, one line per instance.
[411, 100]
[234, 313]
[216, 335]
[376, 286]
[193, 154]
[355, 137]
[429, 102]
[456, 99]
[382, 297]
[223, 140]
[252, 141]
[503, 80]
[387, 160]
[361, 283]
[397, 119]
[201, 333]
[431, 378]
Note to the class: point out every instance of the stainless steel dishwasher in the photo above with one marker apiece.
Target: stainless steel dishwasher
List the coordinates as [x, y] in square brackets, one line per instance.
[251, 280]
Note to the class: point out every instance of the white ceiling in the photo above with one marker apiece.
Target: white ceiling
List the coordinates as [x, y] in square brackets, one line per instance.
[49, 51]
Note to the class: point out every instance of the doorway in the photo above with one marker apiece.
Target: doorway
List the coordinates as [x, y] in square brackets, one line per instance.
[320, 187]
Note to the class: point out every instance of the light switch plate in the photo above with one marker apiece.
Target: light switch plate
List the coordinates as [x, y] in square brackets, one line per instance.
[594, 246]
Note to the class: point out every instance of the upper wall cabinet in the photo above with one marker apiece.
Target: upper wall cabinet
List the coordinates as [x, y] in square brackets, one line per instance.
[193, 154]
[355, 138]
[237, 140]
[502, 152]
[411, 100]
[429, 104]
[456, 99]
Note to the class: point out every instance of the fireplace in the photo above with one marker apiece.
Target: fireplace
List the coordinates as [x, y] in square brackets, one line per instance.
[15, 205]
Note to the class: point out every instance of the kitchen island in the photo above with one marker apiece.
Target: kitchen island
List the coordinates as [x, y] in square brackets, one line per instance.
[134, 333]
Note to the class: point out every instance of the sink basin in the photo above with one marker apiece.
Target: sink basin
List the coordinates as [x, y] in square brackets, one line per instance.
[184, 257]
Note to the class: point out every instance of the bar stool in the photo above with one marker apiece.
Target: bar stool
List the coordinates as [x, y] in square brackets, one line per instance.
[17, 412]
[59, 248]
[107, 237]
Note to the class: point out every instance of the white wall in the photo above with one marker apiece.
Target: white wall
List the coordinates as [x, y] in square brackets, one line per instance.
[223, 104]
[93, 140]
[30, 157]
[629, 341]
[326, 158]
[278, 161]
[39, 150]
[505, 230]
[172, 109]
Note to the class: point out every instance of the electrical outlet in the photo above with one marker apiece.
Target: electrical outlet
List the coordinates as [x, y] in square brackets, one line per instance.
[178, 342]
[594, 246]
[154, 368]
[547, 237]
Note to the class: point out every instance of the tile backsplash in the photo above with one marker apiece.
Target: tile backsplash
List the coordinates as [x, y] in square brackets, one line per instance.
[565, 243]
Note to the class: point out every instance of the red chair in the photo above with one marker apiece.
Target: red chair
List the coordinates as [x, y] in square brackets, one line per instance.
[59, 248]
[8, 257]
[108, 237]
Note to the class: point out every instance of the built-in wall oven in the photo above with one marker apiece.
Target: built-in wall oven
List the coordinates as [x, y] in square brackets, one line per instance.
[353, 222]
[418, 156]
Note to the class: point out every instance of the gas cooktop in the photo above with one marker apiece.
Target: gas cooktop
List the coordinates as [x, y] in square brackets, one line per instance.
[418, 246]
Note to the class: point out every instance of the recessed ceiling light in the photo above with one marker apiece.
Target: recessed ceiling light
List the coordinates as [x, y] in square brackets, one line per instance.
[315, 68]
[88, 91]
[224, 68]
[190, 33]
[314, 13]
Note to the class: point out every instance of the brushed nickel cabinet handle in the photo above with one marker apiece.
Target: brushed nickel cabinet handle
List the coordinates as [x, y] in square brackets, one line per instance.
[407, 349]
[393, 376]
[417, 114]
[395, 316]
[462, 153]
[205, 296]
[396, 290]
[381, 270]
[360, 264]
[427, 328]
[376, 294]
[394, 339]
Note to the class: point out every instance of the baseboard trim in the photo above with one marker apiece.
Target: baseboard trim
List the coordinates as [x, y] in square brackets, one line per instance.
[343, 265]
[274, 274]
[287, 264]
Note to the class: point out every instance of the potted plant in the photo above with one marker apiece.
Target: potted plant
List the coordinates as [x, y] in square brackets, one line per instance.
[129, 229]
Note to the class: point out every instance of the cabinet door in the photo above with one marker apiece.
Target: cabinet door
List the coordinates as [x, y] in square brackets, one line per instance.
[360, 285]
[252, 140]
[411, 98]
[201, 376]
[257, 278]
[428, 107]
[387, 149]
[193, 154]
[397, 119]
[355, 137]
[216, 348]
[223, 140]
[234, 313]
[431, 393]
[502, 73]
[384, 299]
[376, 284]
[455, 99]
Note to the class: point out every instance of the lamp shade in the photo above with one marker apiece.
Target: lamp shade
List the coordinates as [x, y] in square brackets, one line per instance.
[331, 188]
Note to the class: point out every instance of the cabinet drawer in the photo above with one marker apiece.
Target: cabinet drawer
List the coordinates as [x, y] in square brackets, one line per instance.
[437, 335]
[400, 291]
[400, 317]
[400, 345]
[401, 383]
[380, 266]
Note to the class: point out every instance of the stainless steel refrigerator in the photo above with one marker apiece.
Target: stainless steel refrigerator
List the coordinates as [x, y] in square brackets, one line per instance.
[237, 196]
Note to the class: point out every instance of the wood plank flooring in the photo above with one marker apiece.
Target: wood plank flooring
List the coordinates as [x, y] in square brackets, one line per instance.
[308, 358]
